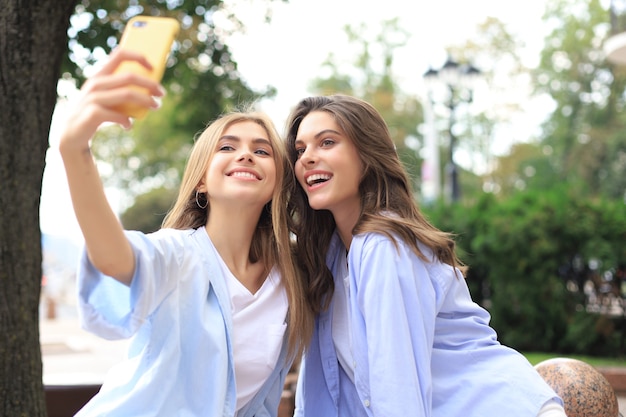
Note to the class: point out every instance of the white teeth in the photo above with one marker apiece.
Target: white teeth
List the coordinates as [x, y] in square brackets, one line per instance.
[243, 174]
[317, 177]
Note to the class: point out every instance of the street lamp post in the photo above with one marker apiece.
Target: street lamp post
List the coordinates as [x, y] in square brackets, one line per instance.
[458, 81]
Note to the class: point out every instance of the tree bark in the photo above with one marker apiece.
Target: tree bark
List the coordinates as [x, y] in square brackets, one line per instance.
[33, 39]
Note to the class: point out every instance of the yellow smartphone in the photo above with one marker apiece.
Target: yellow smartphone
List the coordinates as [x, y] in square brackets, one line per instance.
[152, 37]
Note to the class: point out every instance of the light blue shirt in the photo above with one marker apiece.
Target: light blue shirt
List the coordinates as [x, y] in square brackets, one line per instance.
[421, 346]
[177, 309]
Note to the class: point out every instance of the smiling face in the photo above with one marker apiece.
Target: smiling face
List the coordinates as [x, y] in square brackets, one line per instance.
[242, 169]
[328, 168]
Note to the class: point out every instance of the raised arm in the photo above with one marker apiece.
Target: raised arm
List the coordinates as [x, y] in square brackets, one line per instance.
[106, 244]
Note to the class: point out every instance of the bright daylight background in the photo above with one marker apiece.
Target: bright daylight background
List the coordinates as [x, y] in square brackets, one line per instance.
[288, 53]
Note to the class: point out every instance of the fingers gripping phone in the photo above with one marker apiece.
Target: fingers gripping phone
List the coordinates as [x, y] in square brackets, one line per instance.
[152, 37]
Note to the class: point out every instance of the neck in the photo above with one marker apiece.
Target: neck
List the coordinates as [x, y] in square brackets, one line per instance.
[345, 226]
[231, 233]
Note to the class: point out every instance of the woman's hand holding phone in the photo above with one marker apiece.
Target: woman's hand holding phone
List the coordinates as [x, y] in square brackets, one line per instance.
[103, 96]
[152, 37]
[127, 84]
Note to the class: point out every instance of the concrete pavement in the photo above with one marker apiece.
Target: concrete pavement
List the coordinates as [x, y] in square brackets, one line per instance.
[72, 356]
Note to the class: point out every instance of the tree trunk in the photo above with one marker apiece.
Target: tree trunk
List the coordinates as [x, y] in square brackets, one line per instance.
[33, 39]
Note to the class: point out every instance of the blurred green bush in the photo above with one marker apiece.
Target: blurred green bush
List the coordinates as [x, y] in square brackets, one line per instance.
[549, 266]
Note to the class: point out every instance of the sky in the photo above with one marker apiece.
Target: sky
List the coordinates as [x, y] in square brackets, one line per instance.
[288, 53]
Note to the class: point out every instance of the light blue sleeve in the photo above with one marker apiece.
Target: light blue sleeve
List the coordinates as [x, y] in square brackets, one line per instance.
[396, 316]
[113, 310]
[299, 406]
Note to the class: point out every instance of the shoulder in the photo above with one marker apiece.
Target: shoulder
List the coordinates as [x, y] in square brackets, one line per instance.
[378, 251]
[375, 248]
[180, 237]
[164, 241]
[161, 234]
[380, 261]
[369, 240]
[381, 242]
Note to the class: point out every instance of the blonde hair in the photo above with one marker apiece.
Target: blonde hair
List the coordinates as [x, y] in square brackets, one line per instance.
[271, 239]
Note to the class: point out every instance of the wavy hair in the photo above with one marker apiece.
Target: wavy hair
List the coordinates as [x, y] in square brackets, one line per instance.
[384, 188]
[271, 243]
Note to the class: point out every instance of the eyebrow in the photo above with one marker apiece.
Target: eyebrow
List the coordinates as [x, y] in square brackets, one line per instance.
[238, 139]
[322, 133]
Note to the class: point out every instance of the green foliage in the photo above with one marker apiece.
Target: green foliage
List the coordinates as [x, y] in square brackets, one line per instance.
[152, 155]
[202, 81]
[585, 130]
[526, 292]
[591, 333]
[521, 252]
[149, 210]
[524, 167]
[98, 24]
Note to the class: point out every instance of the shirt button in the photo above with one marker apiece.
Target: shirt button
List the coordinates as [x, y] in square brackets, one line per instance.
[354, 364]
[367, 403]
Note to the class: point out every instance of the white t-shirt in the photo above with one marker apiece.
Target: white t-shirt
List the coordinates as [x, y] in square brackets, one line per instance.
[258, 329]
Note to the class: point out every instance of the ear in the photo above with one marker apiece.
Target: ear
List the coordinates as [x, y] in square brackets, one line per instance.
[201, 188]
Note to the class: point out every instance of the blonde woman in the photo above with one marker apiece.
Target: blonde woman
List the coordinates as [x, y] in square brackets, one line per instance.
[212, 300]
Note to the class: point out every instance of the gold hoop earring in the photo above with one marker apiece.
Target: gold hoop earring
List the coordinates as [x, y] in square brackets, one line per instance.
[206, 201]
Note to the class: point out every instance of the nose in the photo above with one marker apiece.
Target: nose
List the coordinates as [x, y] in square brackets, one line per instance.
[245, 156]
[307, 157]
